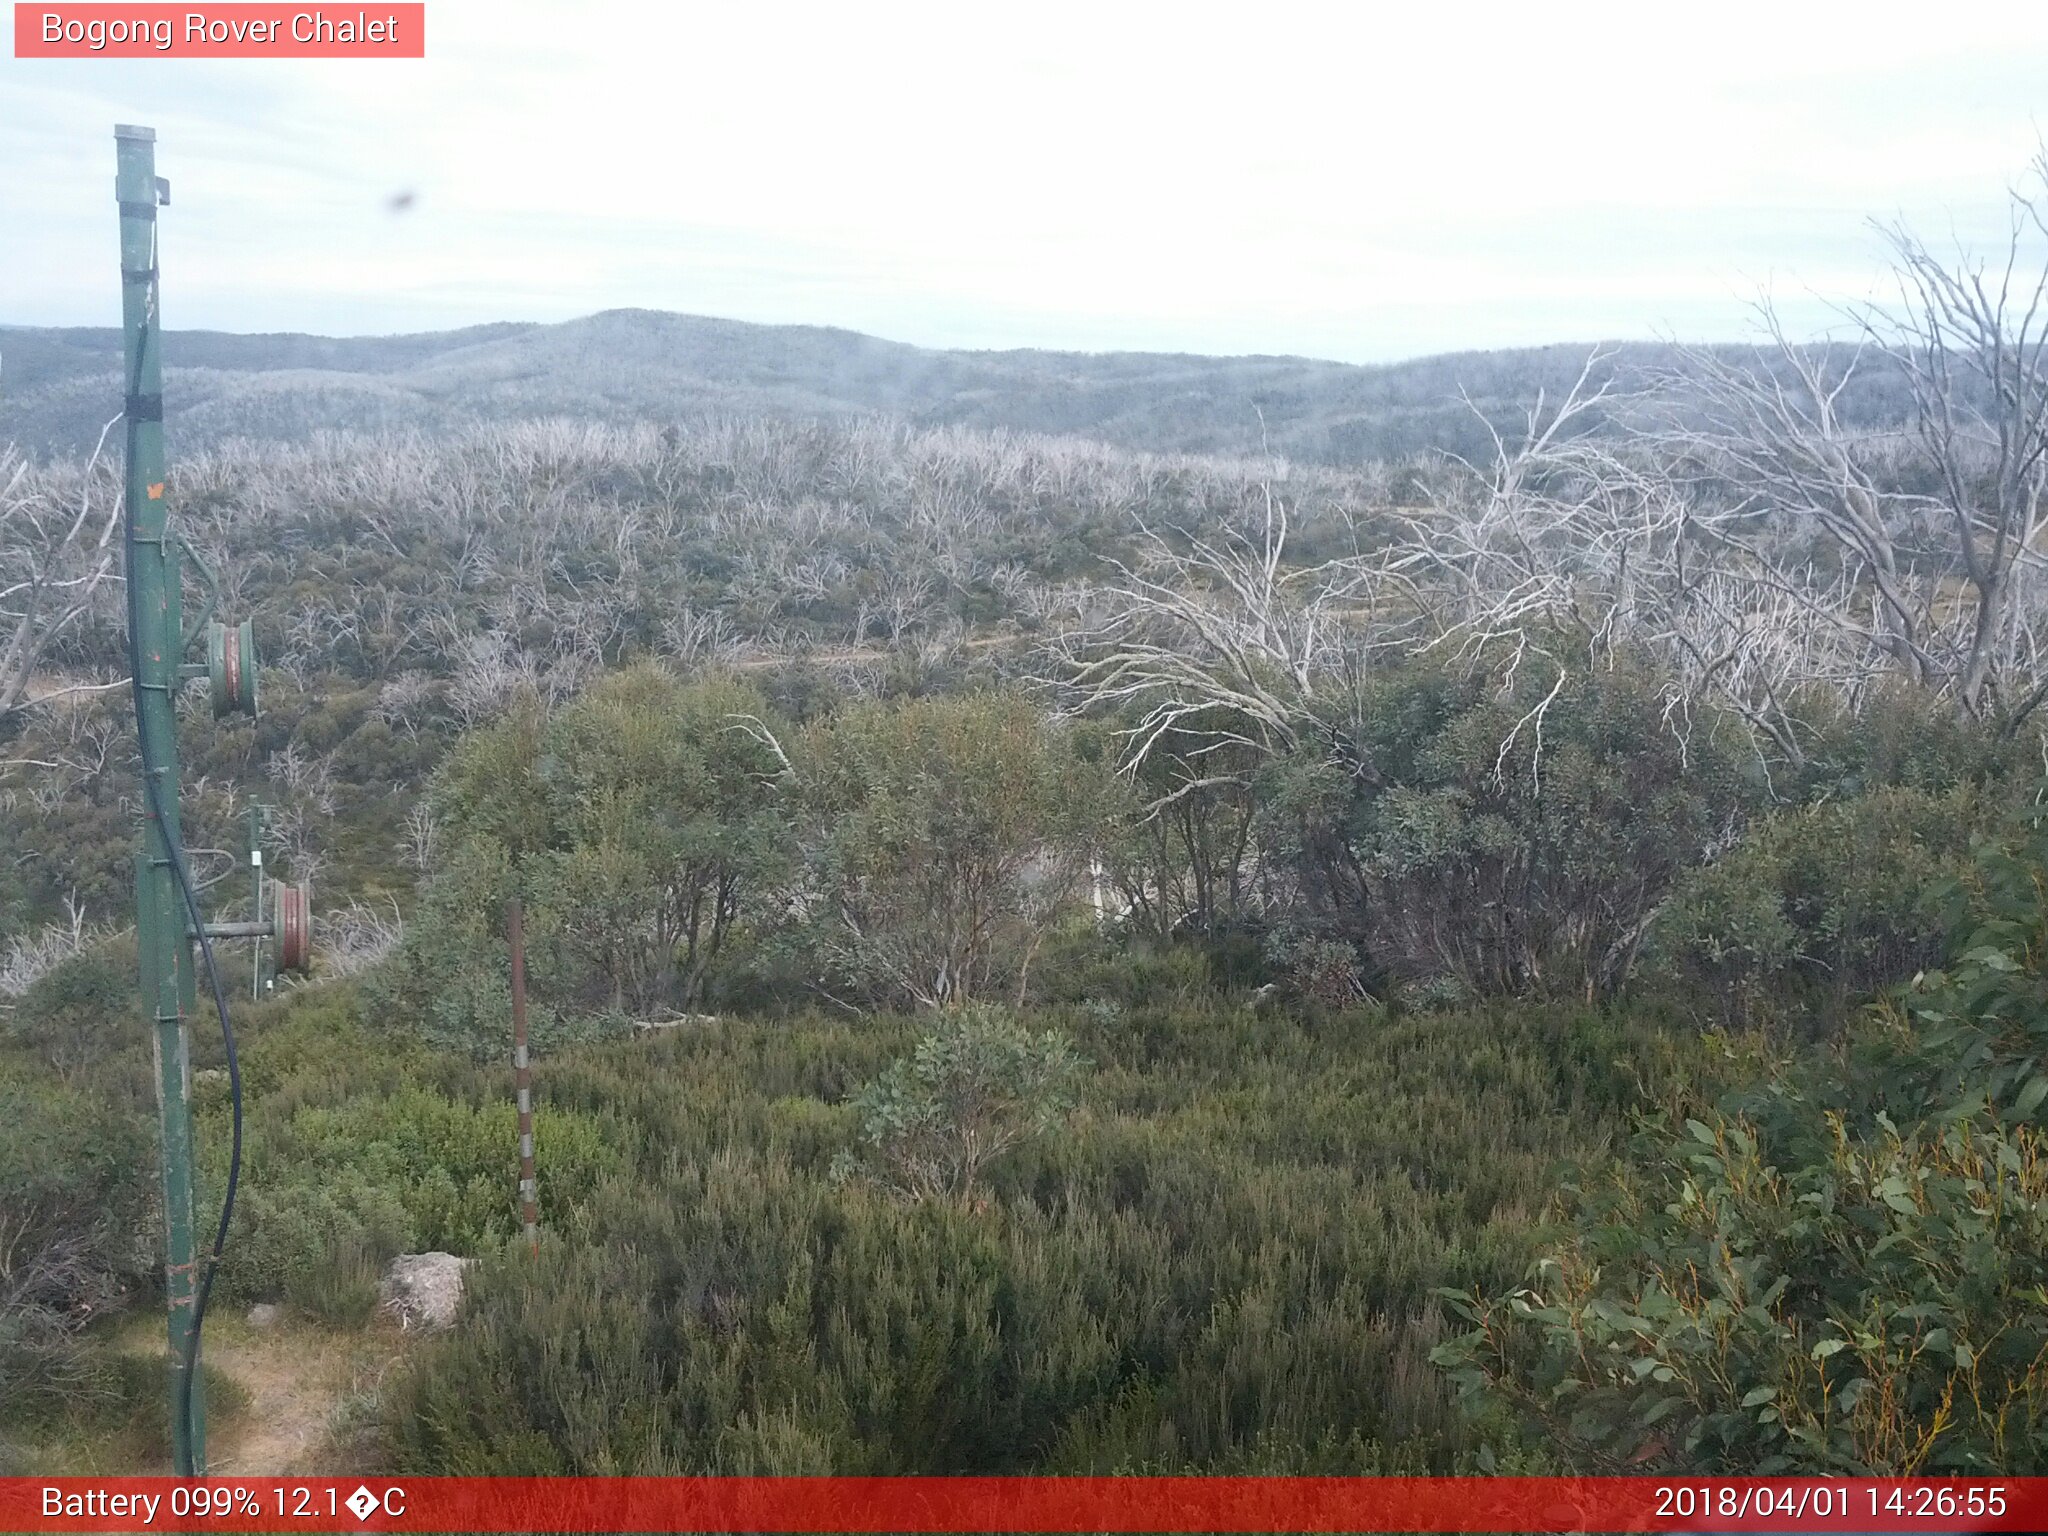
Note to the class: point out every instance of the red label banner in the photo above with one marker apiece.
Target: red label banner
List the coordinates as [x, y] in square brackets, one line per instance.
[233, 31]
[1024, 1504]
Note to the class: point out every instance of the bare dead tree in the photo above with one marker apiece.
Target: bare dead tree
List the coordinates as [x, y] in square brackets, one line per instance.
[692, 637]
[358, 936]
[1969, 335]
[55, 556]
[1223, 642]
[28, 957]
[905, 600]
[1839, 554]
[1557, 533]
[420, 842]
[405, 700]
[487, 677]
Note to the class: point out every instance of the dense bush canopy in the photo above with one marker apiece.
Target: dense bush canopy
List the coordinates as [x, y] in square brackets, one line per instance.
[1842, 1270]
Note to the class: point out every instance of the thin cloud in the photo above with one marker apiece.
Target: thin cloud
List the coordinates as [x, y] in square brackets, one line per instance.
[1109, 177]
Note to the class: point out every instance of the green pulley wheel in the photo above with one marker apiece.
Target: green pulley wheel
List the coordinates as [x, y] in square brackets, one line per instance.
[231, 667]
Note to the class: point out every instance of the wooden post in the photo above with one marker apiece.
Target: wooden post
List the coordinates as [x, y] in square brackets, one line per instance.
[522, 1078]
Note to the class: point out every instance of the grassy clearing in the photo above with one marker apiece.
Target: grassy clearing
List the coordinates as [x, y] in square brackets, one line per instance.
[291, 1398]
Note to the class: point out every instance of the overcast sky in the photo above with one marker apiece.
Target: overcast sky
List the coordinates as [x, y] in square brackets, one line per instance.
[1355, 181]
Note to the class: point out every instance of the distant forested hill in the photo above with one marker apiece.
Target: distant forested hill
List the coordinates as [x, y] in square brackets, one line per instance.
[58, 386]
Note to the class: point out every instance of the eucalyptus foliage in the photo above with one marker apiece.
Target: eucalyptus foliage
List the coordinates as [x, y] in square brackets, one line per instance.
[1844, 1270]
[977, 1085]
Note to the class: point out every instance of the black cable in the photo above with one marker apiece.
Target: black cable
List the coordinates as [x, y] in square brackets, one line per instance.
[167, 829]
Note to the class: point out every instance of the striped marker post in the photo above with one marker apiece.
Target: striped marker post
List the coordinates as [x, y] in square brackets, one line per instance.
[522, 1078]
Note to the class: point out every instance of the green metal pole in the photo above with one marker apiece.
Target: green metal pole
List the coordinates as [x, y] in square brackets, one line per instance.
[256, 914]
[161, 924]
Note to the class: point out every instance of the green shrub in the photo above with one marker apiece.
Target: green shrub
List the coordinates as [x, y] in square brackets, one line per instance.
[350, 1158]
[374, 1176]
[642, 825]
[76, 1222]
[1872, 1307]
[1322, 971]
[1090, 964]
[1512, 839]
[1905, 737]
[977, 1086]
[341, 1287]
[83, 1018]
[293, 1236]
[1816, 909]
[449, 985]
[949, 839]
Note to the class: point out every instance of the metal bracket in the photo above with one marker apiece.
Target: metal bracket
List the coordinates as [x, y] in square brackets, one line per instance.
[196, 626]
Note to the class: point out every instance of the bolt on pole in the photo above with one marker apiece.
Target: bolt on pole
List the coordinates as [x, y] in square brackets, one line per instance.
[155, 616]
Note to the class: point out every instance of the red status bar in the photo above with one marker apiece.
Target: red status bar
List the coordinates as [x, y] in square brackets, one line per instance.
[1024, 1504]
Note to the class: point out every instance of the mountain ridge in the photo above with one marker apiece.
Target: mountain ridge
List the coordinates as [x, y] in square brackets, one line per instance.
[58, 385]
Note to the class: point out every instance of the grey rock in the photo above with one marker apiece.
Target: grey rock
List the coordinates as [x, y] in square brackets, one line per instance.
[423, 1290]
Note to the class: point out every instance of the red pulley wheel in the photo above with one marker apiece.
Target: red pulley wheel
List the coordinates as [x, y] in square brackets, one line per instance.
[294, 927]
